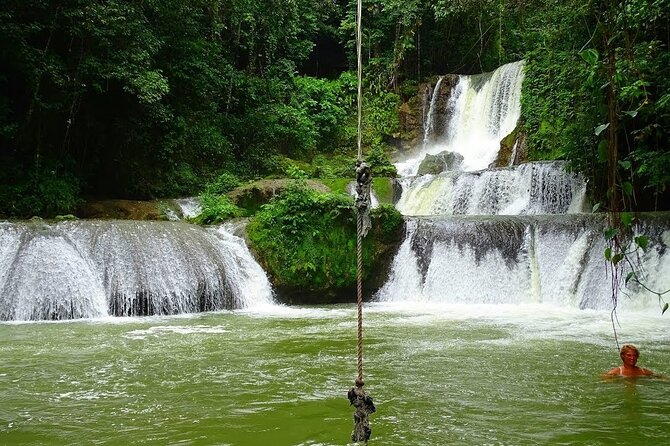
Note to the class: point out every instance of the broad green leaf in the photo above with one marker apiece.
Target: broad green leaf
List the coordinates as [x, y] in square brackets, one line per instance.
[631, 113]
[642, 241]
[596, 207]
[591, 56]
[608, 253]
[617, 258]
[610, 233]
[601, 128]
[627, 187]
[625, 164]
[665, 308]
[629, 276]
[626, 218]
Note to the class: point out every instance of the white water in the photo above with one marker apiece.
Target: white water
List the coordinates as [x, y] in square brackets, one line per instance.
[190, 206]
[528, 189]
[89, 269]
[518, 235]
[430, 122]
[533, 260]
[484, 109]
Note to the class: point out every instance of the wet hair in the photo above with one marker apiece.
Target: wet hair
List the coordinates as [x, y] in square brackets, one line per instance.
[629, 347]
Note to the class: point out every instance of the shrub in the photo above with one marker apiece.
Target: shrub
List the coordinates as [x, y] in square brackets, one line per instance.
[216, 209]
[308, 239]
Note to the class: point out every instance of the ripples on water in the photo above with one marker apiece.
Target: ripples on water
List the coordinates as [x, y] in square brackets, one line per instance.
[440, 375]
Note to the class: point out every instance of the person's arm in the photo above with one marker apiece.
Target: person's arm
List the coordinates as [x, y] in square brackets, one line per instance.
[653, 374]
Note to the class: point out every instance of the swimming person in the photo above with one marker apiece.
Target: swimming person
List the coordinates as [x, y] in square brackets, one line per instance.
[629, 356]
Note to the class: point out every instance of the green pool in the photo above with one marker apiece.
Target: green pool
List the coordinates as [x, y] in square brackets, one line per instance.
[440, 375]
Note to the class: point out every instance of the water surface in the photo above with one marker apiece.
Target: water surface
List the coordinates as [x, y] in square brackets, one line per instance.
[440, 375]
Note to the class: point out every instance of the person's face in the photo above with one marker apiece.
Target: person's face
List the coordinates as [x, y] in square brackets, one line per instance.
[629, 358]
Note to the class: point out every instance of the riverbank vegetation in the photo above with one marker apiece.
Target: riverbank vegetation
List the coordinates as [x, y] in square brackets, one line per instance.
[308, 242]
[163, 98]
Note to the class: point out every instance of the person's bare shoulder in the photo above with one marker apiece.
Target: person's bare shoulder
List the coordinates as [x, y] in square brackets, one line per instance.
[611, 373]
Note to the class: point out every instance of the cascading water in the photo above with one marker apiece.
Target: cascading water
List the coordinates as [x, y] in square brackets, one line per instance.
[511, 260]
[532, 188]
[86, 269]
[430, 121]
[188, 207]
[481, 110]
[506, 235]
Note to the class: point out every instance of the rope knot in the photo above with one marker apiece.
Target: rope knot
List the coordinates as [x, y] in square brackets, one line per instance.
[363, 201]
[364, 407]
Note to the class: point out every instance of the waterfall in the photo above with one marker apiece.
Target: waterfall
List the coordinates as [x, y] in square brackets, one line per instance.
[429, 123]
[528, 189]
[190, 206]
[555, 260]
[88, 269]
[481, 110]
[519, 234]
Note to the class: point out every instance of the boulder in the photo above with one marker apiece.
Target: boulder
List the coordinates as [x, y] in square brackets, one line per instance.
[442, 162]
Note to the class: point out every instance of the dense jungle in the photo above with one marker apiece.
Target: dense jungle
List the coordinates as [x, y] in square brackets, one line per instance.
[168, 98]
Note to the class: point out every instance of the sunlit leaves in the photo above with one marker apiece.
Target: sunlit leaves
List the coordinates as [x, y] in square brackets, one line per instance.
[150, 86]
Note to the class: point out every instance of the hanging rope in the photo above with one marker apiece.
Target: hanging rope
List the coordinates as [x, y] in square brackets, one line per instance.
[356, 395]
[359, 58]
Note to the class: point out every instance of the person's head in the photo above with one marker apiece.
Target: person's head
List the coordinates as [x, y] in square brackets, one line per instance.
[626, 348]
[629, 354]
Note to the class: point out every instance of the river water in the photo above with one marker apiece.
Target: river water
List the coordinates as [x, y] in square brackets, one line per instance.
[494, 328]
[439, 374]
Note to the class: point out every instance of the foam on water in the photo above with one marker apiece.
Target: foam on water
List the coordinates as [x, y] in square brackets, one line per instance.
[527, 321]
[161, 330]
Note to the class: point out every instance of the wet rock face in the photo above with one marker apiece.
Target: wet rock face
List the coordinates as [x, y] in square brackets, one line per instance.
[121, 210]
[442, 162]
[513, 149]
[413, 113]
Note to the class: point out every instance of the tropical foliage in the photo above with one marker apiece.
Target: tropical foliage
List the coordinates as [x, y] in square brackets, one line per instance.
[309, 239]
[159, 98]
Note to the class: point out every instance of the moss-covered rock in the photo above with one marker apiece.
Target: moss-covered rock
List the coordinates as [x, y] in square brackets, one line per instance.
[513, 150]
[307, 243]
[254, 195]
[441, 162]
[123, 209]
